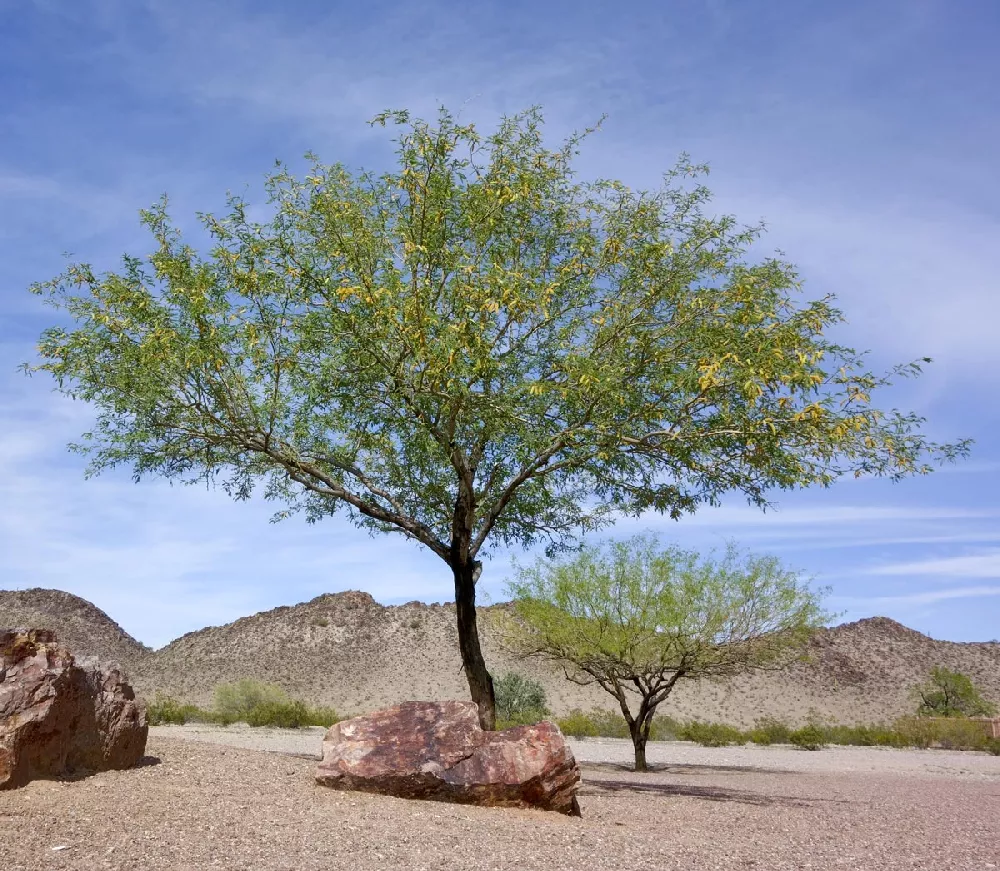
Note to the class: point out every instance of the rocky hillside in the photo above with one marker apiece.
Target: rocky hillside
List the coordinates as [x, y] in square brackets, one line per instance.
[81, 626]
[346, 650]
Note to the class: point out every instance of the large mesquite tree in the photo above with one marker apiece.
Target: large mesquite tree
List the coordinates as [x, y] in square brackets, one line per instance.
[476, 347]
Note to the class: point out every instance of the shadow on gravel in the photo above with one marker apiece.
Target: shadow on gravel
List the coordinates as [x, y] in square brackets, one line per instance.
[709, 793]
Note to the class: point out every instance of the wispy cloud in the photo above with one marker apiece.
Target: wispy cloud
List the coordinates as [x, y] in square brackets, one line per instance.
[928, 597]
[981, 565]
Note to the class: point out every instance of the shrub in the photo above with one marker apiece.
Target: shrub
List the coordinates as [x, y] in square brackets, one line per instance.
[164, 710]
[577, 724]
[768, 730]
[285, 715]
[961, 734]
[917, 731]
[992, 745]
[808, 738]
[320, 621]
[260, 704]
[519, 698]
[711, 734]
[322, 716]
[238, 699]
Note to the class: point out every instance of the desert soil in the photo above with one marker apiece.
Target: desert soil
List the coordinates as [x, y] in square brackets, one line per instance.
[205, 803]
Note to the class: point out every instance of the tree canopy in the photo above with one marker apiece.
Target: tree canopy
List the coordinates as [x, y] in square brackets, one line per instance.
[951, 694]
[636, 617]
[473, 347]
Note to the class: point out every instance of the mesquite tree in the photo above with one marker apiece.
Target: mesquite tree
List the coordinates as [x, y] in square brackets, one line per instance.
[635, 618]
[475, 347]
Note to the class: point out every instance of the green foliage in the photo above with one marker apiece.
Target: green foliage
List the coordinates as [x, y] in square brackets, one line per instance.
[808, 738]
[636, 617]
[475, 322]
[951, 694]
[261, 704]
[768, 730]
[577, 724]
[916, 732]
[165, 710]
[599, 723]
[711, 734]
[519, 698]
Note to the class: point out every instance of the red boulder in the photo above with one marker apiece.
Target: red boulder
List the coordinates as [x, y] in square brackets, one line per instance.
[437, 751]
[61, 717]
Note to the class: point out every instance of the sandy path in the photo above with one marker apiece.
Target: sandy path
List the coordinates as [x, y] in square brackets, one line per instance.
[199, 805]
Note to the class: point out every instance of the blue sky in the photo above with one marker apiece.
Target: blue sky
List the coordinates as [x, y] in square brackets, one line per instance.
[864, 133]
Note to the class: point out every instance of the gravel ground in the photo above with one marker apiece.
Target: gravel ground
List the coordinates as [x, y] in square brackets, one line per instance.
[197, 804]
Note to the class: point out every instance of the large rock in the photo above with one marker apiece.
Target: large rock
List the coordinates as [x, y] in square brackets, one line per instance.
[60, 717]
[436, 750]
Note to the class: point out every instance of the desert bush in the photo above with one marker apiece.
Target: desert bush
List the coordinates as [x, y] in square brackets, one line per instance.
[519, 698]
[992, 745]
[165, 710]
[577, 724]
[599, 723]
[711, 734]
[239, 698]
[917, 731]
[261, 704]
[322, 716]
[961, 734]
[768, 730]
[809, 737]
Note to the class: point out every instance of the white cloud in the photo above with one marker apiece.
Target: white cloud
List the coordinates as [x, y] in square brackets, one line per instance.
[872, 604]
[982, 565]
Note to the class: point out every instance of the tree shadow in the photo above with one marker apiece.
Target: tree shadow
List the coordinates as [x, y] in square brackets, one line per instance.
[86, 773]
[708, 793]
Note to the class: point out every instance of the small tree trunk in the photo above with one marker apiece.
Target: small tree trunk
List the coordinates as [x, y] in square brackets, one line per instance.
[639, 730]
[639, 742]
[476, 673]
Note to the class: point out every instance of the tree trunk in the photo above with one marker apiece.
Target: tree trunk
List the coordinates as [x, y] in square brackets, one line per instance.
[639, 742]
[480, 682]
[639, 730]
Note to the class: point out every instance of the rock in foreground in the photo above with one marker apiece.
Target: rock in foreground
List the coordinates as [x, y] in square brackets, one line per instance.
[60, 717]
[437, 751]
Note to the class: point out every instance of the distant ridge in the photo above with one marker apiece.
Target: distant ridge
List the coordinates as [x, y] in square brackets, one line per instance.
[347, 650]
[80, 625]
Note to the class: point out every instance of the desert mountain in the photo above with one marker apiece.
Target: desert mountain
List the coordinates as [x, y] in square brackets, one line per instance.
[81, 626]
[348, 651]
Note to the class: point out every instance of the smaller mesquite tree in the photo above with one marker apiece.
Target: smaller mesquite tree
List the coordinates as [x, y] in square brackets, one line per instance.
[635, 618]
[951, 694]
[472, 348]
